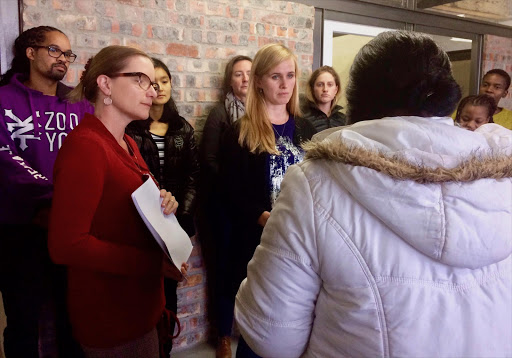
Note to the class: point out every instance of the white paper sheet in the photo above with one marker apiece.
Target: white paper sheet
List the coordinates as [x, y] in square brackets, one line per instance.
[166, 230]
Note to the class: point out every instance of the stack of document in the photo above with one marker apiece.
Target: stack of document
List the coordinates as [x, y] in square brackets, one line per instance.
[166, 230]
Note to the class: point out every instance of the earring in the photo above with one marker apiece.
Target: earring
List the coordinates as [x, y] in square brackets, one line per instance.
[107, 101]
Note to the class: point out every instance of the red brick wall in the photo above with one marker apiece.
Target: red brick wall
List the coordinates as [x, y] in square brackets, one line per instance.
[195, 39]
[497, 53]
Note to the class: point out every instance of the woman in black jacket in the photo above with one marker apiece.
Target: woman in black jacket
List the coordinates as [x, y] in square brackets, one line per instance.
[257, 151]
[215, 223]
[322, 95]
[166, 142]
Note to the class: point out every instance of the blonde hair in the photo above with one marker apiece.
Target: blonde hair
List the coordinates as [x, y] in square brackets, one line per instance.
[256, 131]
[110, 60]
[310, 89]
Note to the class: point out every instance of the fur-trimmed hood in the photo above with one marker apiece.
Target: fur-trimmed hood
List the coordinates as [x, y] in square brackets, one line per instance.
[445, 190]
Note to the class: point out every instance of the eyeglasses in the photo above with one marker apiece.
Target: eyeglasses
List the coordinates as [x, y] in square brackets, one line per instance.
[56, 52]
[144, 81]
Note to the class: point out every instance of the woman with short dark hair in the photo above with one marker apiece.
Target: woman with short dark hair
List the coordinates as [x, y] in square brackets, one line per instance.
[392, 238]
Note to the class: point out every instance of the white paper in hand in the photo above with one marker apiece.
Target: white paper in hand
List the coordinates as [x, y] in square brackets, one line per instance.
[166, 230]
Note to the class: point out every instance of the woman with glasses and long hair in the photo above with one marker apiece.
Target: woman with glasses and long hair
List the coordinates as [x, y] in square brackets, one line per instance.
[115, 267]
[167, 145]
[258, 150]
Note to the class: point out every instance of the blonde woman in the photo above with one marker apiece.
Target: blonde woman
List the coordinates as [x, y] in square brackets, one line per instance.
[259, 148]
[115, 267]
[322, 95]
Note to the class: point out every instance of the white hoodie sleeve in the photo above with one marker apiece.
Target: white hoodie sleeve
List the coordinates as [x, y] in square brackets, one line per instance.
[275, 303]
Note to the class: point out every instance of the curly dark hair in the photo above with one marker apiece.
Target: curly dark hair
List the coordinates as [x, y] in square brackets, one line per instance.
[401, 73]
[29, 38]
[480, 100]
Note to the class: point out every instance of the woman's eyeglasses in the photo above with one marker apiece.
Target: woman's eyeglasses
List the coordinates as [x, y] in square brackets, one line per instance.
[56, 52]
[144, 81]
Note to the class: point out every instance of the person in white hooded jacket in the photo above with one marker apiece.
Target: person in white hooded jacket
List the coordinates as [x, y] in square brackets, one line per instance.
[393, 237]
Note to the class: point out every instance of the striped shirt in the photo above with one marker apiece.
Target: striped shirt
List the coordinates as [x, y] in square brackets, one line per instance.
[160, 144]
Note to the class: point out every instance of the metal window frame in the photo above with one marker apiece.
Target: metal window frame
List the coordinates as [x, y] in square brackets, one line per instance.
[10, 27]
[409, 18]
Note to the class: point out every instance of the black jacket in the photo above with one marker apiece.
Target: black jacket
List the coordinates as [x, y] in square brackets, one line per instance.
[245, 186]
[320, 120]
[180, 174]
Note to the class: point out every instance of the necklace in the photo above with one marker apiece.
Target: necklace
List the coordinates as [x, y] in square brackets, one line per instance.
[282, 132]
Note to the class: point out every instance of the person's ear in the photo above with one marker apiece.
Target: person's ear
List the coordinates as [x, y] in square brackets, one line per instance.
[30, 53]
[104, 84]
[504, 94]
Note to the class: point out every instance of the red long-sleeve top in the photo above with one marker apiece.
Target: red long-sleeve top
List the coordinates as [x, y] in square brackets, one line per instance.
[115, 284]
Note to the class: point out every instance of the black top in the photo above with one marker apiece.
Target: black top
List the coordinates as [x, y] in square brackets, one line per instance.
[320, 120]
[245, 187]
[180, 174]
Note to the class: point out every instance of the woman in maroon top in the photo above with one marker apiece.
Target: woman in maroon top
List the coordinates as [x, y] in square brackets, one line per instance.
[115, 267]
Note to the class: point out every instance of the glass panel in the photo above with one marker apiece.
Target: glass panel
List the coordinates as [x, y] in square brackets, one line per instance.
[459, 50]
[395, 3]
[342, 41]
[496, 11]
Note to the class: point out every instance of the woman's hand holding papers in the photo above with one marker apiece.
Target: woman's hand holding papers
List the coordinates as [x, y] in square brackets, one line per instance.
[169, 202]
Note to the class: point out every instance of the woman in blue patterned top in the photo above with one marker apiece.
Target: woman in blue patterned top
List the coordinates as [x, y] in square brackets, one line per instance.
[257, 151]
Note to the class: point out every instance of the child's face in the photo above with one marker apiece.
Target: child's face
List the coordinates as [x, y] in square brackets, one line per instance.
[493, 85]
[472, 117]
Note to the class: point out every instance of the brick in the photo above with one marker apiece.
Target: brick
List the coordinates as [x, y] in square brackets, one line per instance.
[276, 19]
[133, 43]
[170, 4]
[211, 37]
[62, 4]
[194, 280]
[213, 66]
[247, 14]
[85, 7]
[214, 9]
[190, 21]
[260, 28]
[197, 36]
[197, 7]
[71, 75]
[222, 24]
[137, 29]
[155, 47]
[77, 22]
[281, 31]
[180, 5]
[177, 49]
[245, 27]
[233, 11]
[32, 18]
[85, 40]
[125, 27]
[195, 96]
